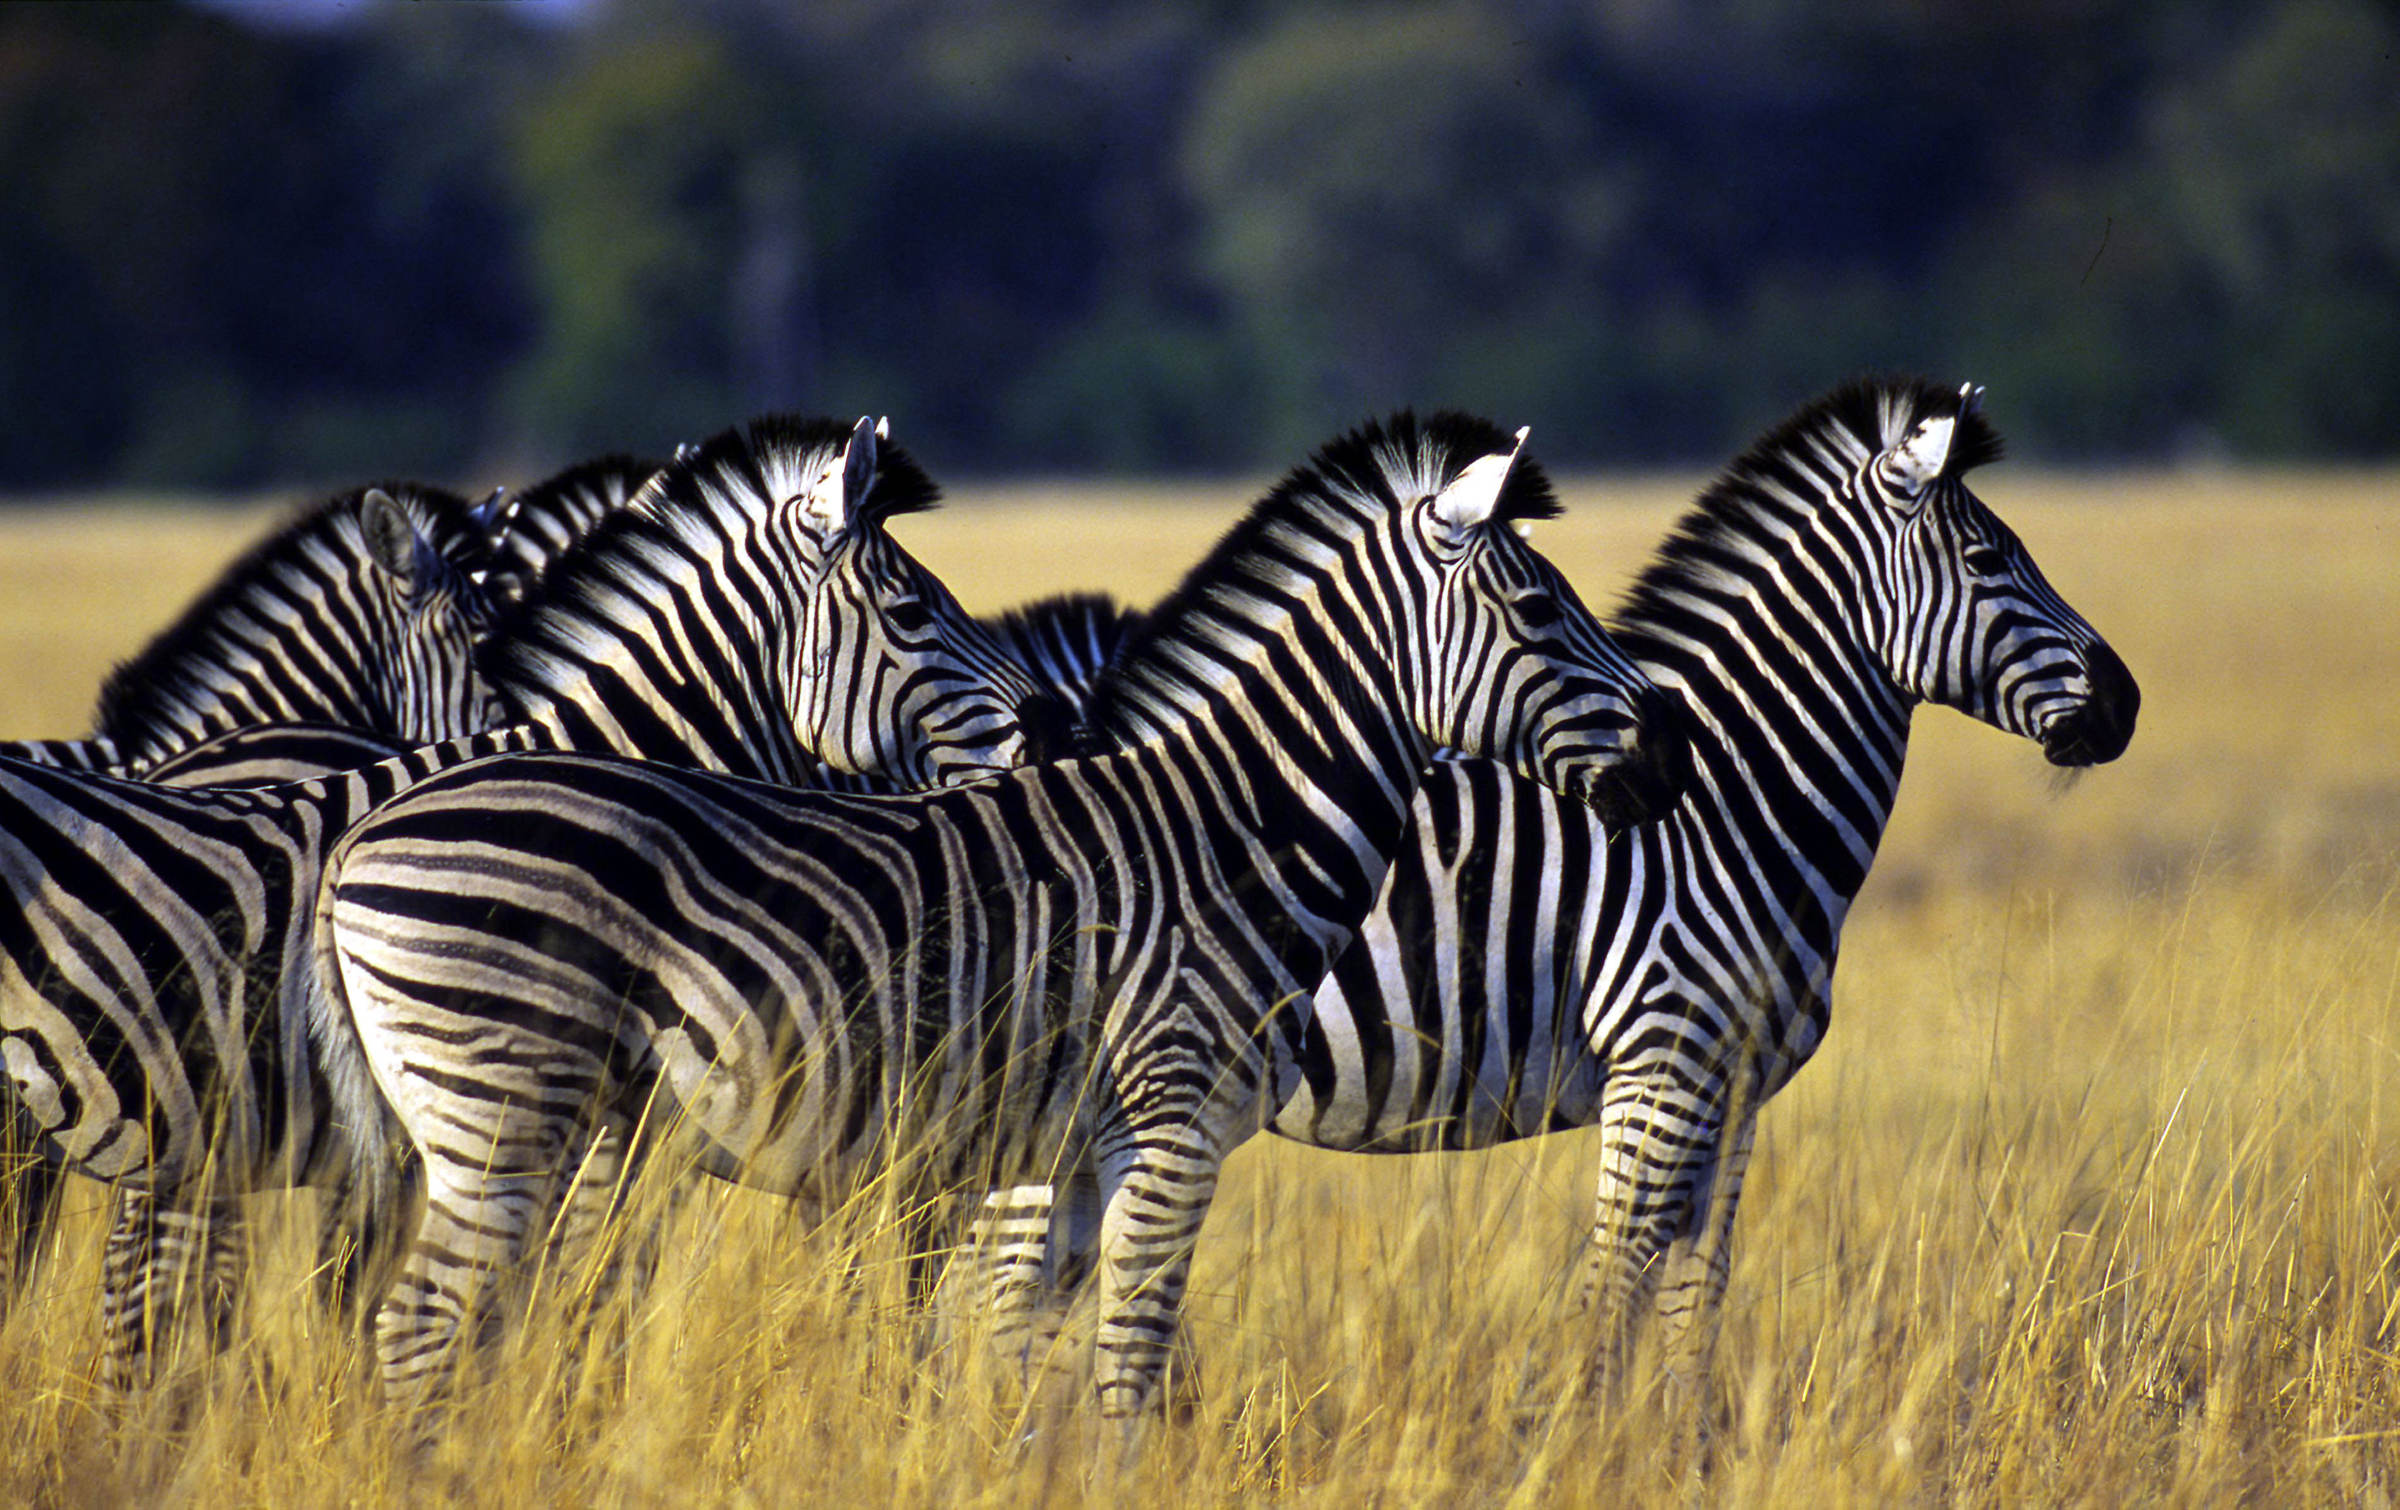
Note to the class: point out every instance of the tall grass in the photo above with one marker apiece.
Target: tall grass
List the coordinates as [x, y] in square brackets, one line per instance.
[2092, 1197]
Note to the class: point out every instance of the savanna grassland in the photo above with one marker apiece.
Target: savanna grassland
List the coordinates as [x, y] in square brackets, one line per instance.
[2093, 1196]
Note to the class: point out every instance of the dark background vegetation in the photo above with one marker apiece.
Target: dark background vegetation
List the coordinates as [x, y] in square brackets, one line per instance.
[439, 239]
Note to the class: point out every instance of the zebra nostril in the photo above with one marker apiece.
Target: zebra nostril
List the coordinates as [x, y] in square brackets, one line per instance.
[2100, 728]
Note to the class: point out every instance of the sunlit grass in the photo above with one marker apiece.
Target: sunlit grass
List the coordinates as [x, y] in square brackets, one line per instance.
[2092, 1197]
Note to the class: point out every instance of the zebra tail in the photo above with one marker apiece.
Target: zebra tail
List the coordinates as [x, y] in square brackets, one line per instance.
[363, 1123]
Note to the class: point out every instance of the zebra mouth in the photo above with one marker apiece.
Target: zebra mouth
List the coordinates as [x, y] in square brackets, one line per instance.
[2099, 730]
[1651, 779]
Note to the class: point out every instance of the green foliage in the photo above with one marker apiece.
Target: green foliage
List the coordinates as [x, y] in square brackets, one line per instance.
[634, 235]
[1140, 233]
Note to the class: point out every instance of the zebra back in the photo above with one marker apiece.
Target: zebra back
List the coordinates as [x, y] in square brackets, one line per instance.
[276, 755]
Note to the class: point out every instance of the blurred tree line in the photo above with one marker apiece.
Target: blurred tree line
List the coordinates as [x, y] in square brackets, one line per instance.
[1160, 234]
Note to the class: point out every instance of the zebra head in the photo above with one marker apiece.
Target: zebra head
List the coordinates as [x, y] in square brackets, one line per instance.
[1968, 621]
[888, 675]
[424, 590]
[1512, 666]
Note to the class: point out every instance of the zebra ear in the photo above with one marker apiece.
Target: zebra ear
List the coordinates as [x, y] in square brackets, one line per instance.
[858, 461]
[1473, 496]
[1910, 467]
[832, 500]
[495, 514]
[391, 536]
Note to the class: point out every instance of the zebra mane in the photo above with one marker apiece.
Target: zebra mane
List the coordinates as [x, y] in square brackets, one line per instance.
[720, 492]
[568, 505]
[145, 690]
[590, 489]
[1377, 468]
[1067, 642]
[1854, 422]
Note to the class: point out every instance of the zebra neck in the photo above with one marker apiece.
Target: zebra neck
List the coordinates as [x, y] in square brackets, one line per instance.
[634, 670]
[1798, 736]
[223, 694]
[1299, 758]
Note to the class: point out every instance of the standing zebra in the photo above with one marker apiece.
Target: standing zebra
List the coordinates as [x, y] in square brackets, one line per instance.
[362, 613]
[1524, 972]
[154, 945]
[1085, 962]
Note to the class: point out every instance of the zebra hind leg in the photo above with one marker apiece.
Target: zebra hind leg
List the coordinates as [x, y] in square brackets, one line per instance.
[162, 1257]
[478, 1223]
[603, 1250]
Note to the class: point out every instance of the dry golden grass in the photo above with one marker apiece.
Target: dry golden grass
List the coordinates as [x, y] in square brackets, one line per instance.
[2093, 1196]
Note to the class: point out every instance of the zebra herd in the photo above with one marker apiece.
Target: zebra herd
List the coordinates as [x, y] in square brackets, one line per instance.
[678, 804]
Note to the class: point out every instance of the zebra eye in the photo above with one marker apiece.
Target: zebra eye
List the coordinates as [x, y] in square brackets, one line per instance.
[1986, 561]
[1538, 610]
[909, 616]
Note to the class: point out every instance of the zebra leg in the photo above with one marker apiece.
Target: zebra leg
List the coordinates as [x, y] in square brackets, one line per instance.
[359, 1224]
[1032, 1247]
[1691, 1288]
[1657, 1144]
[1155, 1196]
[486, 1201]
[597, 1203]
[158, 1253]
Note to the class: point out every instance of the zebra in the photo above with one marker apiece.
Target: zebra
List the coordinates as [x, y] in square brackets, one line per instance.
[1085, 961]
[1524, 972]
[542, 522]
[154, 959]
[362, 612]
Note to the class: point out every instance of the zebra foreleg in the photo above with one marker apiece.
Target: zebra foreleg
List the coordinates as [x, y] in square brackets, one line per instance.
[1657, 1146]
[1691, 1287]
[1155, 1194]
[161, 1254]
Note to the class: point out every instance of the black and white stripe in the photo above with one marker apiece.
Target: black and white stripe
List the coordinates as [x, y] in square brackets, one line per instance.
[1087, 962]
[540, 524]
[362, 613]
[1525, 972]
[155, 943]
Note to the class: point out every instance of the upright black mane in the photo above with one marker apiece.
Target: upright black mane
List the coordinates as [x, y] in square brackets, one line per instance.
[1872, 412]
[549, 517]
[614, 476]
[721, 488]
[1377, 467]
[147, 689]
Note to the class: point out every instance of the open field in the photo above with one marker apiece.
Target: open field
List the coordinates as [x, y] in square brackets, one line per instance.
[2093, 1196]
